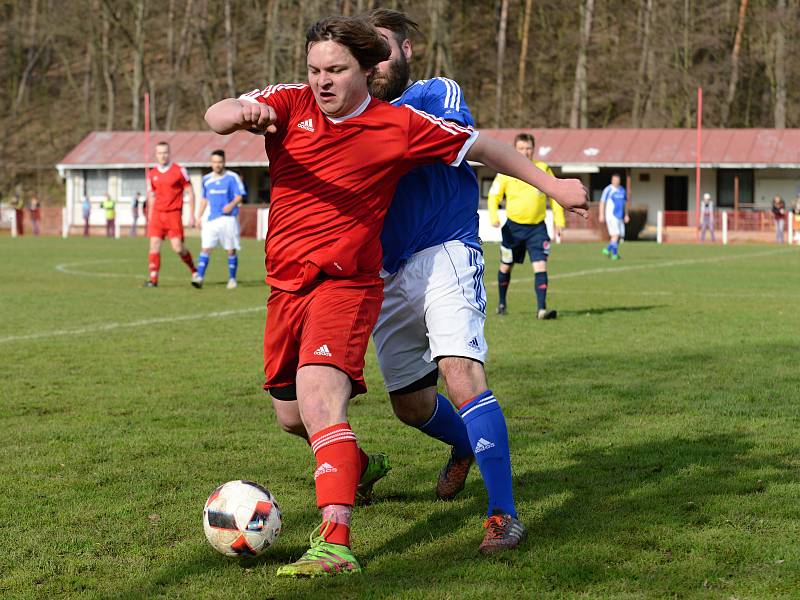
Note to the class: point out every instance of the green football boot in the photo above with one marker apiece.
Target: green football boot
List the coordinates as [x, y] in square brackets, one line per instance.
[322, 559]
[377, 468]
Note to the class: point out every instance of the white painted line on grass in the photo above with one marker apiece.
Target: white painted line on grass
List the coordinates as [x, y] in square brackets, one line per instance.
[69, 269]
[657, 265]
[103, 327]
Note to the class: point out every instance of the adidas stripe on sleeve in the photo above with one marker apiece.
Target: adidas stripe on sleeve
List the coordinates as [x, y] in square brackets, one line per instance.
[432, 138]
[443, 97]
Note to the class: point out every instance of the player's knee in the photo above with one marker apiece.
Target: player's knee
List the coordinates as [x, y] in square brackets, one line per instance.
[413, 409]
[505, 267]
[414, 404]
[464, 378]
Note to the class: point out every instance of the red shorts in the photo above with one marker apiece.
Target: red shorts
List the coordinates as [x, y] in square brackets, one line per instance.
[327, 324]
[165, 224]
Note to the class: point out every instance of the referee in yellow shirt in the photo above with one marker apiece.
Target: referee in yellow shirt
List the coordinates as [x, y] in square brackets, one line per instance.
[525, 228]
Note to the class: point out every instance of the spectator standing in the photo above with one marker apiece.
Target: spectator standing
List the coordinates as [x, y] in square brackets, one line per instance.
[707, 218]
[19, 212]
[137, 200]
[796, 217]
[779, 214]
[111, 214]
[86, 207]
[35, 209]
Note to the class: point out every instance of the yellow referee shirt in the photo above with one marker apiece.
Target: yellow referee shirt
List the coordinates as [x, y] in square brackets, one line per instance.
[524, 203]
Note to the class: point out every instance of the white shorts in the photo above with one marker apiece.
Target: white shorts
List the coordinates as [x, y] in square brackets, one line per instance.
[615, 226]
[434, 306]
[222, 231]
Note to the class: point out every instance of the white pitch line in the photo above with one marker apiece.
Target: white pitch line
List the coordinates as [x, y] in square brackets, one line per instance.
[103, 327]
[659, 265]
[67, 268]
[682, 293]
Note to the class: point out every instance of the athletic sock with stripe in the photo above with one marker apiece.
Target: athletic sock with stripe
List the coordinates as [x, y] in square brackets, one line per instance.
[488, 436]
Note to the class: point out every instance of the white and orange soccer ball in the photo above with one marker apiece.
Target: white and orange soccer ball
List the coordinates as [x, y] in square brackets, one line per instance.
[241, 518]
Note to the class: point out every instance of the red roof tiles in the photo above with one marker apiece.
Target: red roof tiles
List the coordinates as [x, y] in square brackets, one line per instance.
[746, 148]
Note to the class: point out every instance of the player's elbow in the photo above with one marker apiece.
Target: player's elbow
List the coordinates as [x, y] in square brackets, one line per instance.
[219, 118]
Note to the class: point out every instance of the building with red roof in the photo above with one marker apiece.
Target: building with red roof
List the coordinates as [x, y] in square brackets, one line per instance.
[658, 165]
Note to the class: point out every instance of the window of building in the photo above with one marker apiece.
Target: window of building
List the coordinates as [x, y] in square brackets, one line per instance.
[96, 182]
[132, 181]
[599, 181]
[726, 186]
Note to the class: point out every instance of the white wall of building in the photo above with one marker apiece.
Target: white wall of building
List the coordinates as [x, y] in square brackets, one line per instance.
[776, 182]
[123, 194]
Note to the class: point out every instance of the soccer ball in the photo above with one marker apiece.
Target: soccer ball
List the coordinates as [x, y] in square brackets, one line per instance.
[241, 518]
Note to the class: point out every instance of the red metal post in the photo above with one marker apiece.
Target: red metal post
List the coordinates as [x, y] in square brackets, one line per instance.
[147, 155]
[697, 153]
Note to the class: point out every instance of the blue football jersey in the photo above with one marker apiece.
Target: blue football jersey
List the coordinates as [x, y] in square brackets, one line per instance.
[220, 190]
[615, 197]
[436, 203]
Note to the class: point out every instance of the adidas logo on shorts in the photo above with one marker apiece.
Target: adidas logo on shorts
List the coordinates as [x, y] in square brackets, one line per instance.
[323, 351]
[308, 125]
[325, 468]
[483, 444]
[474, 344]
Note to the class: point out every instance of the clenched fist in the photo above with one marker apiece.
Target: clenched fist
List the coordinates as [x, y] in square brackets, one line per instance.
[572, 196]
[257, 116]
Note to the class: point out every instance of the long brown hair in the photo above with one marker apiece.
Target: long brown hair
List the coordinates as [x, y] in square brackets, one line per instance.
[354, 33]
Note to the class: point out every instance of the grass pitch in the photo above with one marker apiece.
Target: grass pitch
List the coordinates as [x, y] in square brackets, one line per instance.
[654, 431]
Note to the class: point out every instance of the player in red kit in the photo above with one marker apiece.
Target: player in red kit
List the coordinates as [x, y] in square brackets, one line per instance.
[336, 155]
[166, 184]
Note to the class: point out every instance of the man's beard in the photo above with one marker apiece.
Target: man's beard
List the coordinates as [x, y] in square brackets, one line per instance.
[392, 85]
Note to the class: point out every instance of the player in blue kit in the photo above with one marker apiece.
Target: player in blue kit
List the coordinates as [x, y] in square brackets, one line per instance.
[222, 193]
[614, 211]
[434, 307]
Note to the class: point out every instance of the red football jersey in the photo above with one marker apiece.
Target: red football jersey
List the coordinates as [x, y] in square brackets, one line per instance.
[334, 178]
[168, 185]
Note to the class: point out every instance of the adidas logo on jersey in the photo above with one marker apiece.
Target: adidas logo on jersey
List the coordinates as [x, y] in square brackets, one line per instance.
[483, 444]
[308, 125]
[325, 468]
[474, 344]
[323, 351]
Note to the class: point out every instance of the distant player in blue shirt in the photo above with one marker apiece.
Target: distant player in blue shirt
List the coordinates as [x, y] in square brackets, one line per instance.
[614, 211]
[434, 305]
[223, 191]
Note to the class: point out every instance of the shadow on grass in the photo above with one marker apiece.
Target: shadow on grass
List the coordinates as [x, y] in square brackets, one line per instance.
[202, 561]
[606, 309]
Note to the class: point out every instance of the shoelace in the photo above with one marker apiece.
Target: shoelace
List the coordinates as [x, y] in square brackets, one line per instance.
[495, 527]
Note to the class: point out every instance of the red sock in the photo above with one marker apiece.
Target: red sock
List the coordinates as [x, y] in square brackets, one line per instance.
[362, 456]
[187, 258]
[337, 474]
[153, 266]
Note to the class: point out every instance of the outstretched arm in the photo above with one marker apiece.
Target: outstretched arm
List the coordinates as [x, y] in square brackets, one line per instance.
[229, 115]
[569, 193]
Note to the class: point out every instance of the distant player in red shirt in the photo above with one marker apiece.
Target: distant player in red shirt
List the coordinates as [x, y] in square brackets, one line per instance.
[336, 155]
[166, 183]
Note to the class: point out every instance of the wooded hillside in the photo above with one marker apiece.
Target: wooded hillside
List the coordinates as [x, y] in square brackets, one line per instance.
[72, 66]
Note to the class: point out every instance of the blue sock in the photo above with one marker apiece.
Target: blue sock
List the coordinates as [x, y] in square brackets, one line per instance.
[202, 264]
[233, 265]
[488, 435]
[445, 425]
[615, 248]
[540, 282]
